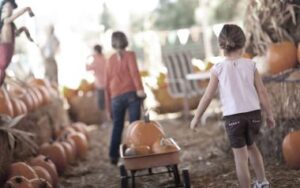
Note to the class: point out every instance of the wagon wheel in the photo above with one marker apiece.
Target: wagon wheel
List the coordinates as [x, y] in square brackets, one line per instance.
[124, 177]
[186, 178]
[176, 175]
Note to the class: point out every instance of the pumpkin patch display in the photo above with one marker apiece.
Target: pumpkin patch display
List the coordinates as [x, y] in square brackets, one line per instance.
[18, 182]
[281, 56]
[164, 145]
[21, 169]
[143, 133]
[55, 151]
[47, 164]
[291, 149]
[137, 150]
[43, 173]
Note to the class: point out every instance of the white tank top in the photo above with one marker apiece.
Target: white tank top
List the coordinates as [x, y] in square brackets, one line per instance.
[236, 85]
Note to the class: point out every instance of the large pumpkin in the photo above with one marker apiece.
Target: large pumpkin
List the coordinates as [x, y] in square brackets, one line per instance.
[5, 103]
[47, 164]
[143, 133]
[18, 182]
[21, 169]
[281, 56]
[55, 151]
[17, 106]
[81, 127]
[24, 96]
[81, 144]
[43, 173]
[291, 149]
[69, 150]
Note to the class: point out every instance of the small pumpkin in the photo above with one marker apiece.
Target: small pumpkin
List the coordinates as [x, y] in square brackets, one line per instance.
[21, 169]
[47, 164]
[55, 151]
[18, 182]
[137, 150]
[43, 173]
[281, 56]
[291, 149]
[81, 144]
[165, 145]
[144, 133]
[40, 183]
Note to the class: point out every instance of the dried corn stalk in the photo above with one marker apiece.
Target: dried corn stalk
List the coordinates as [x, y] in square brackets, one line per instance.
[269, 21]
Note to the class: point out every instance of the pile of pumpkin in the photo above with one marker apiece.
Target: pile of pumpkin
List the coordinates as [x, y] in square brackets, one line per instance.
[20, 98]
[145, 137]
[279, 57]
[84, 88]
[42, 171]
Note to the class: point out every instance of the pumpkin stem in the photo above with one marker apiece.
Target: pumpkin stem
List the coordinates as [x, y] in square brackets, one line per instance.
[19, 179]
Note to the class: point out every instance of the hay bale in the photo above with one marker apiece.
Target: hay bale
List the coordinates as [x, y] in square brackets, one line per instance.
[85, 109]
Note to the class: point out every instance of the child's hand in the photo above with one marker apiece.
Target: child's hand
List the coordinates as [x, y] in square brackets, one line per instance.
[194, 123]
[270, 122]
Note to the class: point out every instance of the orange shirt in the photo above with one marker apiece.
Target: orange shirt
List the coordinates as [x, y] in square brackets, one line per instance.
[122, 75]
[98, 67]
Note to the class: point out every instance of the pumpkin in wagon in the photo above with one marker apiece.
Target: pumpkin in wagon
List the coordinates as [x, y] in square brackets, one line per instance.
[144, 133]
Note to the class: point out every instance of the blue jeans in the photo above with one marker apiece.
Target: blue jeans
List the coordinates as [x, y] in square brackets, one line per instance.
[119, 106]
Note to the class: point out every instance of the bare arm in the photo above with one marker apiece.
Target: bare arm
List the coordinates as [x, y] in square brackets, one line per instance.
[263, 99]
[25, 30]
[205, 100]
[18, 14]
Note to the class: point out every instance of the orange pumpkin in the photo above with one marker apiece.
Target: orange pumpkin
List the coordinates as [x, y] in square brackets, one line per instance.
[69, 93]
[281, 56]
[45, 94]
[164, 145]
[21, 169]
[143, 133]
[69, 150]
[43, 173]
[47, 164]
[40, 183]
[18, 182]
[24, 96]
[137, 150]
[5, 103]
[81, 144]
[35, 96]
[85, 86]
[291, 149]
[81, 127]
[55, 151]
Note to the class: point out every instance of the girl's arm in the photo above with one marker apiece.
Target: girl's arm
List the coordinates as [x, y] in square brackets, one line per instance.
[205, 100]
[263, 99]
[18, 14]
[25, 30]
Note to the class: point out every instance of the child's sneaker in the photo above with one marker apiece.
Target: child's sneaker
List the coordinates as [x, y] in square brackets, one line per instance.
[264, 184]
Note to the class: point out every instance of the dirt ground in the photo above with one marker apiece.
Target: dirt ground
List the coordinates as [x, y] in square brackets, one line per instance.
[204, 153]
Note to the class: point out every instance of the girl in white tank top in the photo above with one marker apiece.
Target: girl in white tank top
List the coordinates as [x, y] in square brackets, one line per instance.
[242, 95]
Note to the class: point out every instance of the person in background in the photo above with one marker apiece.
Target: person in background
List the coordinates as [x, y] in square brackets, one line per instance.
[49, 51]
[242, 95]
[124, 90]
[98, 67]
[9, 31]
